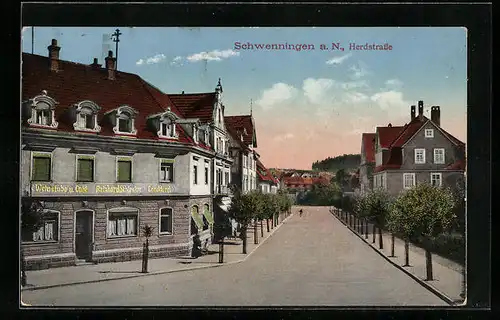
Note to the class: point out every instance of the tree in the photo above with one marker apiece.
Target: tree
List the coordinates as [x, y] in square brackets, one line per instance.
[32, 212]
[242, 209]
[422, 211]
[374, 206]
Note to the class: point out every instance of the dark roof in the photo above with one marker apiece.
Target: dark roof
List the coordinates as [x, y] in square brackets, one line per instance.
[76, 82]
[195, 105]
[387, 134]
[239, 124]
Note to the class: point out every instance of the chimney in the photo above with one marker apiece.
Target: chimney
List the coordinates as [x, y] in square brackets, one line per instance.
[436, 115]
[420, 109]
[412, 112]
[182, 92]
[54, 55]
[111, 65]
[95, 64]
[389, 125]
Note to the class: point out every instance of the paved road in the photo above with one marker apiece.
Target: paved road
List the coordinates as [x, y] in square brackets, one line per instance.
[311, 260]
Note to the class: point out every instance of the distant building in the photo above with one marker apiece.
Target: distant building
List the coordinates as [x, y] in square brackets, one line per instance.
[267, 182]
[419, 151]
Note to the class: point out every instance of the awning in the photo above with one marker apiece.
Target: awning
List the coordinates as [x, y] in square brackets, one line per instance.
[197, 218]
[208, 216]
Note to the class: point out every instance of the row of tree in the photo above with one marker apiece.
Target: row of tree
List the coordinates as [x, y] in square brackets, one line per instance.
[424, 211]
[346, 162]
[255, 207]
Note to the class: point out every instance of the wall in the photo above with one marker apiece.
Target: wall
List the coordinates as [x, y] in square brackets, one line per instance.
[395, 179]
[201, 188]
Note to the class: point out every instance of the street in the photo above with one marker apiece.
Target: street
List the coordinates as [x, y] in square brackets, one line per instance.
[313, 260]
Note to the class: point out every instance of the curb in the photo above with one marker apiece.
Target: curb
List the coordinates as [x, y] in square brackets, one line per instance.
[157, 272]
[424, 284]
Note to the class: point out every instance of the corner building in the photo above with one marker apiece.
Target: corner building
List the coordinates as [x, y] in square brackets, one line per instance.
[107, 153]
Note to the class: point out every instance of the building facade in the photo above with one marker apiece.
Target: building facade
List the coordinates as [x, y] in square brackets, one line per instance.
[420, 151]
[267, 182]
[107, 153]
[367, 162]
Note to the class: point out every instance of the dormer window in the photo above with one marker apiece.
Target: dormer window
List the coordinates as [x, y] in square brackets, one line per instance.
[86, 116]
[195, 133]
[41, 112]
[165, 124]
[125, 120]
[167, 129]
[207, 137]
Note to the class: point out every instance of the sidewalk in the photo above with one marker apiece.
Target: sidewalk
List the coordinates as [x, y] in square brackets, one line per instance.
[58, 277]
[447, 274]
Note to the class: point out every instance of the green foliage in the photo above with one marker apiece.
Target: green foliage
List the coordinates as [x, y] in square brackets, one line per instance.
[322, 195]
[373, 205]
[423, 210]
[245, 206]
[346, 162]
[31, 215]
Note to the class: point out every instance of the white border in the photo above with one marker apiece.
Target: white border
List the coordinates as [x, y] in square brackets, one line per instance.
[440, 178]
[415, 155]
[430, 135]
[434, 155]
[412, 174]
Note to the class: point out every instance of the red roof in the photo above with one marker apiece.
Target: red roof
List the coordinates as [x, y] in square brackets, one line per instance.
[264, 173]
[238, 124]
[369, 146]
[387, 134]
[76, 82]
[195, 105]
[408, 131]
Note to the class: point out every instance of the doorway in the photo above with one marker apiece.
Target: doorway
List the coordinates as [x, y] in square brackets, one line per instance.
[83, 234]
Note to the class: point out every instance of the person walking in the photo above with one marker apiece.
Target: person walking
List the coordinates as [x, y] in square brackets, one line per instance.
[300, 213]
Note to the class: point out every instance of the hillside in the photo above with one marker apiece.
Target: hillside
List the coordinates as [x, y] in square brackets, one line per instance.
[348, 162]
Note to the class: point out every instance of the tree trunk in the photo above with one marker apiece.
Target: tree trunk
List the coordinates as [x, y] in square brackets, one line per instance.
[255, 232]
[380, 240]
[261, 229]
[272, 222]
[361, 227]
[407, 253]
[392, 246]
[373, 233]
[366, 229]
[267, 222]
[428, 265]
[221, 250]
[244, 233]
[24, 281]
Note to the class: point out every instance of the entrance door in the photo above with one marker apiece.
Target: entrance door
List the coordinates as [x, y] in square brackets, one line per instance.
[83, 235]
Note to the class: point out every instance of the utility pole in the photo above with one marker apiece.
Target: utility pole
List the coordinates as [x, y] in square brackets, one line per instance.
[116, 38]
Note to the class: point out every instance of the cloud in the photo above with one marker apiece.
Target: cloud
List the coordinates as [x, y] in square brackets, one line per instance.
[339, 60]
[215, 55]
[358, 71]
[317, 90]
[278, 93]
[177, 61]
[152, 60]
[286, 136]
[389, 100]
[394, 83]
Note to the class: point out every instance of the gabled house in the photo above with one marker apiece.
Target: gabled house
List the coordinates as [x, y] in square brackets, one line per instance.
[419, 151]
[106, 153]
[267, 182]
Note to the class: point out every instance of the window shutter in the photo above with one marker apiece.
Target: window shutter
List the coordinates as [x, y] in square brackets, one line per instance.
[85, 170]
[124, 171]
[41, 169]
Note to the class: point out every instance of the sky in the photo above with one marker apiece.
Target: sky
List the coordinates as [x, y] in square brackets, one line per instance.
[308, 105]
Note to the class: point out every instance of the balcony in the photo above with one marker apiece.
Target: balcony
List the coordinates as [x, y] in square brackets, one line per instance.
[222, 190]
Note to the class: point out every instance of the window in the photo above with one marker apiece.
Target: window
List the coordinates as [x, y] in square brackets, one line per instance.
[436, 179]
[164, 129]
[408, 180]
[244, 161]
[85, 169]
[439, 156]
[41, 170]
[166, 221]
[195, 174]
[195, 133]
[43, 117]
[166, 171]
[125, 123]
[206, 225]
[86, 119]
[419, 156]
[122, 224]
[48, 231]
[226, 178]
[206, 174]
[429, 133]
[124, 170]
